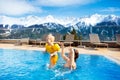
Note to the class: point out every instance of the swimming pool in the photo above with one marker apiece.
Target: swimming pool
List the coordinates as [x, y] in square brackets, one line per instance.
[33, 65]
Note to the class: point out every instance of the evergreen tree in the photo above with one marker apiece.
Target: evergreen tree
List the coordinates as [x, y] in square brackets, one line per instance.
[80, 37]
[75, 34]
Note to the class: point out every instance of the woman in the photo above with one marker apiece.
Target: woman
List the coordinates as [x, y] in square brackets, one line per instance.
[71, 58]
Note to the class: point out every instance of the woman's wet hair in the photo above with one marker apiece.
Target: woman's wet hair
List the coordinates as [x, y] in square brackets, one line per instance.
[76, 54]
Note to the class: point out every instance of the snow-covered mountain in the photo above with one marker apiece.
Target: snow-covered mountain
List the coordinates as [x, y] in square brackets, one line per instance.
[107, 26]
[32, 20]
[96, 18]
[66, 22]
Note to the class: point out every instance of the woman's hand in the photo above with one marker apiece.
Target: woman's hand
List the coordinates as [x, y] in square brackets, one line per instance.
[62, 44]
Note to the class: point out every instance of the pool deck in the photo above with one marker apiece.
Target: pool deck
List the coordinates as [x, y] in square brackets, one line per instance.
[112, 53]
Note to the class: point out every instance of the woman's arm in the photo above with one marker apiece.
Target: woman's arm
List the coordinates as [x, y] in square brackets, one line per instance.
[63, 53]
[72, 64]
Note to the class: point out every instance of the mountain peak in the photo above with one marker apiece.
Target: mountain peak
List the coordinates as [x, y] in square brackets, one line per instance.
[31, 20]
[49, 17]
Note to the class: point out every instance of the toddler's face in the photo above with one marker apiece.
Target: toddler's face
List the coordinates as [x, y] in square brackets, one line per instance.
[50, 39]
[47, 39]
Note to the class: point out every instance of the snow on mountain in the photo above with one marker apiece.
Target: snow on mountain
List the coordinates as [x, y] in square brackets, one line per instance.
[96, 18]
[30, 20]
[69, 21]
[112, 18]
[92, 20]
[9, 20]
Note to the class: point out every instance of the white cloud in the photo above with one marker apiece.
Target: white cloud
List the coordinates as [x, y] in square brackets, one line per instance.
[111, 9]
[60, 3]
[17, 7]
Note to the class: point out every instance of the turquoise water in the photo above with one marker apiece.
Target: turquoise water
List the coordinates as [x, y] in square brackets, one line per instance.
[33, 65]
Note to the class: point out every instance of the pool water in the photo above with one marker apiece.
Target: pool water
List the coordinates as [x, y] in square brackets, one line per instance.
[33, 65]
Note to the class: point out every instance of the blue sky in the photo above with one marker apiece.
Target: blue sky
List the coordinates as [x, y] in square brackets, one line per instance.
[59, 8]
